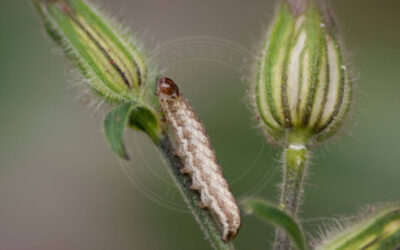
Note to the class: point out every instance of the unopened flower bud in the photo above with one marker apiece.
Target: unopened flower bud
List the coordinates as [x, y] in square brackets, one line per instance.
[302, 82]
[113, 66]
[378, 230]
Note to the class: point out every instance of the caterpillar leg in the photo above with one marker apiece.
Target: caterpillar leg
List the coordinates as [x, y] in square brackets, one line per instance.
[195, 187]
[185, 170]
[201, 205]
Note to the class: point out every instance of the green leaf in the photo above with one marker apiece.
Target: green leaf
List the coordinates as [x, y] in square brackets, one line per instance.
[138, 117]
[114, 125]
[271, 214]
[144, 119]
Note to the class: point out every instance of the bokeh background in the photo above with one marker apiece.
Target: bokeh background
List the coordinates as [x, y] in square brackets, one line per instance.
[62, 188]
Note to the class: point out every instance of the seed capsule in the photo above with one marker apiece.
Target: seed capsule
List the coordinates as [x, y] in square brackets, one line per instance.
[302, 81]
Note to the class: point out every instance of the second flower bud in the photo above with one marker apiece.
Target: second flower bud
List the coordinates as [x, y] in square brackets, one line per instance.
[302, 82]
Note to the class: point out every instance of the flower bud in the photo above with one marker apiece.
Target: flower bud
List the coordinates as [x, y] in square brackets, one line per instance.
[114, 67]
[302, 82]
[380, 230]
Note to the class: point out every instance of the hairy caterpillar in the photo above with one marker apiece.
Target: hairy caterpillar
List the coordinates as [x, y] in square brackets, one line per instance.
[199, 159]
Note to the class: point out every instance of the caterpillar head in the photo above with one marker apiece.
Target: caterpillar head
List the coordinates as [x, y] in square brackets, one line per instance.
[167, 87]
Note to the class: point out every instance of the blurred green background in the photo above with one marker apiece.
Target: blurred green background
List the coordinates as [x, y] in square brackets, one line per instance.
[62, 188]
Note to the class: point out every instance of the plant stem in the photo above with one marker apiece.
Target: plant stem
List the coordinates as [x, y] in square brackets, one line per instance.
[191, 197]
[295, 157]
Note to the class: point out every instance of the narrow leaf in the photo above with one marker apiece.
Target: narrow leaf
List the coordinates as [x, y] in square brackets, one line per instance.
[271, 214]
[114, 125]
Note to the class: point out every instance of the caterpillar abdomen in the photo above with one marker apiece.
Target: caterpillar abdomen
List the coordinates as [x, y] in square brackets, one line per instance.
[200, 161]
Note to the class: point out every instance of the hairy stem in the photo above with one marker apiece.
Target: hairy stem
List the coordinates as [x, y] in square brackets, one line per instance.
[295, 164]
[192, 198]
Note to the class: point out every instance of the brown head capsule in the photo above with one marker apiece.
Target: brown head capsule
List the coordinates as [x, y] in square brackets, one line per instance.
[167, 86]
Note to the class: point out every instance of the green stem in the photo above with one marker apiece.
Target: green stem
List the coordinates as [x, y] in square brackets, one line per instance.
[295, 157]
[192, 198]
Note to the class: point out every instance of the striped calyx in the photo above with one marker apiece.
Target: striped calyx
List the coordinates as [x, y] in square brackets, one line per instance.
[112, 64]
[378, 229]
[302, 82]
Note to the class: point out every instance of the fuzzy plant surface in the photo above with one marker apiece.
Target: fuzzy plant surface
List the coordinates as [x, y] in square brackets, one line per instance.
[114, 67]
[302, 96]
[302, 93]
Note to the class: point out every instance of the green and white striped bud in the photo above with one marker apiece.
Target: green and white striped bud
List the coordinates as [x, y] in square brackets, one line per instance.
[380, 230]
[112, 64]
[302, 82]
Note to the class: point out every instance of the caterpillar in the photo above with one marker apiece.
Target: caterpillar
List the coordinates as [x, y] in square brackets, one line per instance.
[199, 159]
